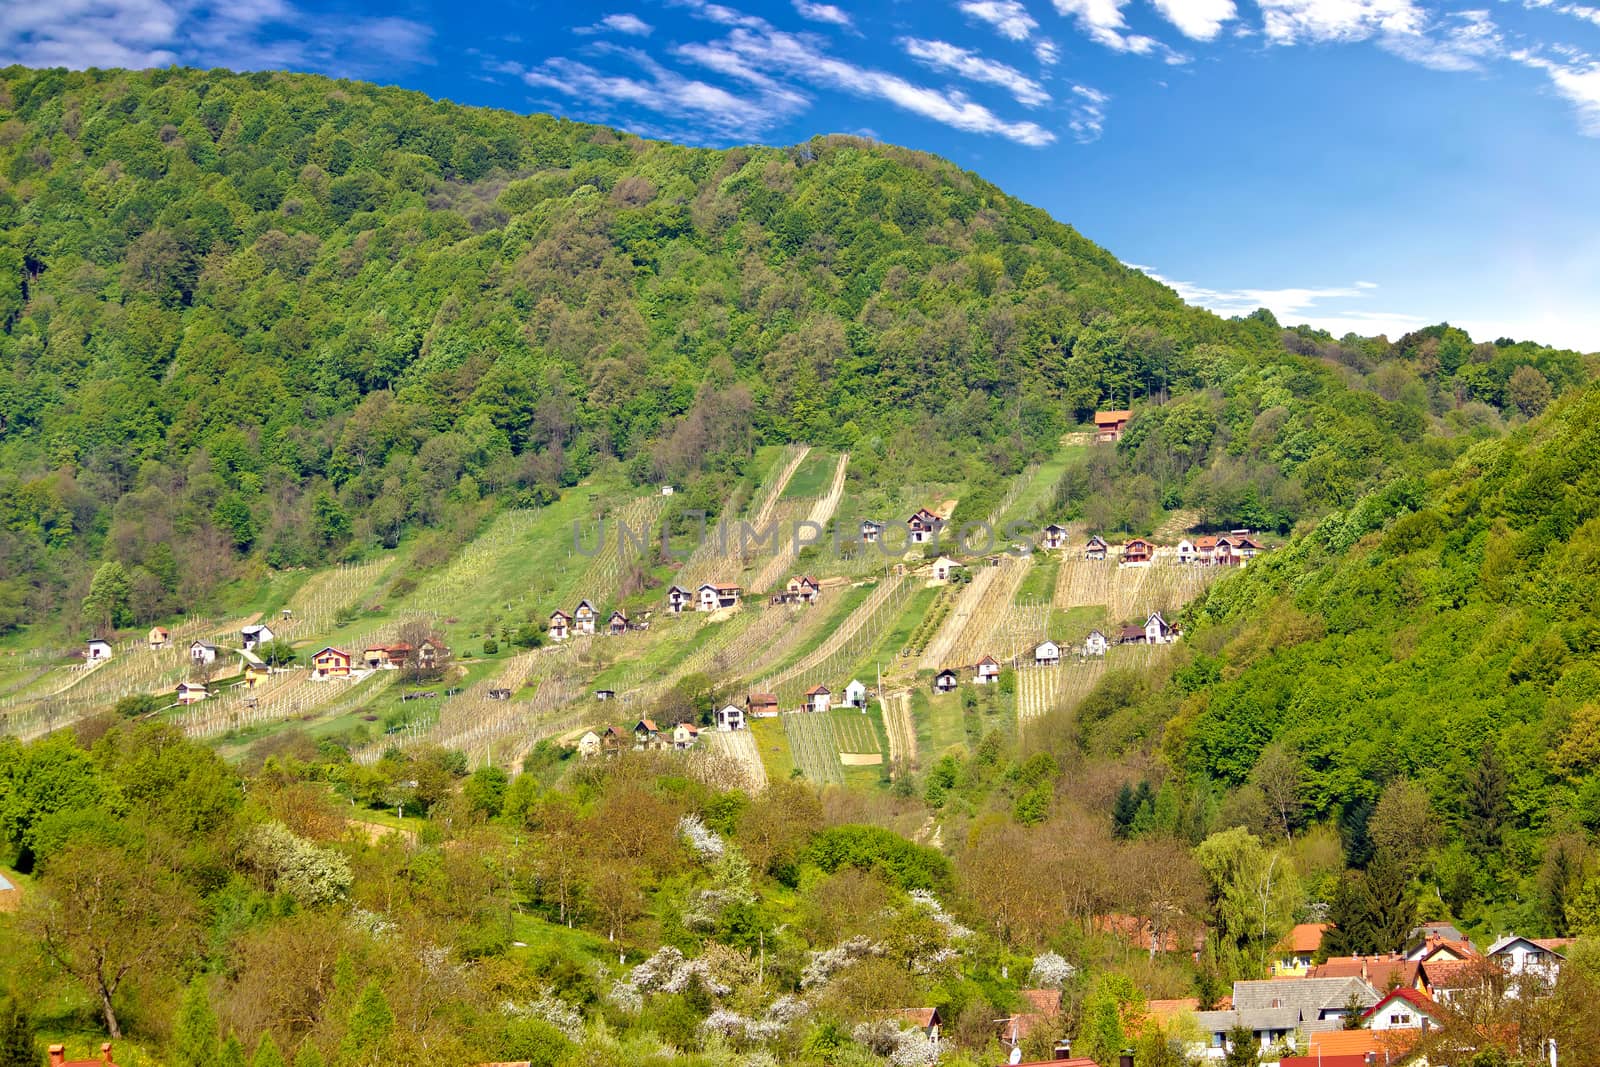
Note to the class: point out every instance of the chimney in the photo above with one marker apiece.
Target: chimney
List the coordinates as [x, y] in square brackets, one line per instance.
[105, 1054]
[58, 1055]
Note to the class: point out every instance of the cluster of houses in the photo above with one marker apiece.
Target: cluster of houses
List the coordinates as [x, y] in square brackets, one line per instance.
[585, 620]
[331, 662]
[1155, 631]
[645, 735]
[1223, 550]
[1303, 1010]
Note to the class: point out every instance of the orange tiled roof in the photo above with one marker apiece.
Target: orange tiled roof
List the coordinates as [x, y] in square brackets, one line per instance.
[1305, 937]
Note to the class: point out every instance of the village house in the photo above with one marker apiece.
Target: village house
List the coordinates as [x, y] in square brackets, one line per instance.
[1047, 654]
[1440, 943]
[1296, 950]
[819, 698]
[684, 735]
[330, 662]
[1541, 957]
[801, 589]
[1095, 644]
[1246, 548]
[589, 745]
[254, 669]
[605, 694]
[646, 734]
[678, 599]
[615, 739]
[431, 651]
[386, 657]
[923, 527]
[1041, 1007]
[928, 1020]
[1186, 551]
[987, 670]
[618, 623]
[729, 717]
[253, 637]
[1053, 537]
[715, 597]
[192, 692]
[944, 568]
[1379, 972]
[159, 637]
[760, 705]
[98, 651]
[945, 681]
[1095, 548]
[202, 652]
[1131, 635]
[1222, 555]
[855, 694]
[1157, 631]
[871, 531]
[1403, 1008]
[583, 618]
[1205, 548]
[560, 625]
[1109, 425]
[1137, 551]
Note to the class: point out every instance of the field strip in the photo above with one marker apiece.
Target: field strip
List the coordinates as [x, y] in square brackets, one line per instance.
[902, 731]
[869, 612]
[715, 558]
[937, 655]
[819, 516]
[812, 744]
[982, 635]
[732, 760]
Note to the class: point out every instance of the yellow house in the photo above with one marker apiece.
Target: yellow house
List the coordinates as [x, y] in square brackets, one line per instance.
[255, 670]
[1293, 958]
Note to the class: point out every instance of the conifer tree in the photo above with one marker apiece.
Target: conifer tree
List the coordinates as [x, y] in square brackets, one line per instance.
[370, 1024]
[308, 1056]
[196, 1041]
[267, 1054]
[232, 1054]
[18, 1045]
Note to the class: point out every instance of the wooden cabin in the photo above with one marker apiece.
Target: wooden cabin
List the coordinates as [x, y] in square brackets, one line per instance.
[1109, 425]
[618, 623]
[1138, 550]
[760, 705]
[431, 651]
[583, 618]
[159, 637]
[560, 625]
[1095, 548]
[987, 671]
[1053, 537]
[386, 657]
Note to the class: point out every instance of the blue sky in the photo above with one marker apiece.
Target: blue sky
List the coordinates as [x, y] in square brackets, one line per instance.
[1368, 165]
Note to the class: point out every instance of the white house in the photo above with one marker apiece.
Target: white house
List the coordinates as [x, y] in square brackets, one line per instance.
[97, 651]
[1047, 654]
[819, 698]
[684, 735]
[871, 531]
[679, 598]
[583, 617]
[256, 636]
[1534, 956]
[1404, 1008]
[712, 597]
[988, 670]
[1053, 537]
[1094, 644]
[191, 693]
[202, 652]
[944, 568]
[730, 717]
[1096, 548]
[560, 625]
[945, 681]
[1157, 631]
[923, 526]
[589, 745]
[1186, 552]
[855, 694]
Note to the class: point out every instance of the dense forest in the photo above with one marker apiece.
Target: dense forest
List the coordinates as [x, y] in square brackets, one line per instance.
[279, 319]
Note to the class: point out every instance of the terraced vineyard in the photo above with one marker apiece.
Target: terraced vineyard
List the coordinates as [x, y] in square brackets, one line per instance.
[819, 515]
[618, 550]
[733, 760]
[900, 728]
[715, 559]
[812, 744]
[1037, 689]
[1078, 677]
[843, 648]
[1131, 593]
[853, 733]
[986, 630]
[315, 604]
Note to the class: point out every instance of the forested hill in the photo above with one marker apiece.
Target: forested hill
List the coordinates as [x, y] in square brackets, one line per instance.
[1421, 671]
[279, 319]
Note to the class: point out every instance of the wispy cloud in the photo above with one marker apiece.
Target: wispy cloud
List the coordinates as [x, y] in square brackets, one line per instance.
[1293, 21]
[666, 93]
[1088, 113]
[826, 13]
[766, 52]
[632, 25]
[1102, 22]
[1295, 306]
[1046, 52]
[1463, 40]
[952, 59]
[249, 35]
[1575, 76]
[1008, 17]
[1199, 20]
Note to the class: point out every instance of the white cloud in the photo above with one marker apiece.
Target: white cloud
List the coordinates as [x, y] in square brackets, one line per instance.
[1294, 21]
[1046, 52]
[1462, 42]
[827, 13]
[1008, 17]
[1088, 113]
[1102, 22]
[949, 58]
[1299, 306]
[250, 34]
[668, 94]
[767, 50]
[632, 25]
[1200, 20]
[1576, 78]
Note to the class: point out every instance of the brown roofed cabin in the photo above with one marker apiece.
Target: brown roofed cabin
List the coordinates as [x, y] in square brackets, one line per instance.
[923, 526]
[386, 657]
[431, 651]
[801, 589]
[1109, 425]
[1053, 536]
[560, 625]
[618, 623]
[583, 617]
[1138, 551]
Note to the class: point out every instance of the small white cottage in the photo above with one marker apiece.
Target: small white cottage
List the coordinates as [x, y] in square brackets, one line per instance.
[1095, 644]
[1047, 654]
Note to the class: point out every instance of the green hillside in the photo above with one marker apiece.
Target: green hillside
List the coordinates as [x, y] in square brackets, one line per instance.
[278, 319]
